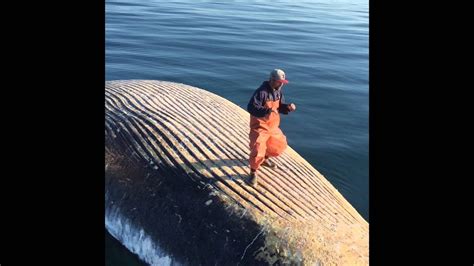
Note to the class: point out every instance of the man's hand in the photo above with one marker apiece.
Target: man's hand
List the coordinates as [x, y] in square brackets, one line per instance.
[292, 107]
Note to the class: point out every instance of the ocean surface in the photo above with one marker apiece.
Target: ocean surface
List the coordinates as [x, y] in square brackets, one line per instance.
[230, 47]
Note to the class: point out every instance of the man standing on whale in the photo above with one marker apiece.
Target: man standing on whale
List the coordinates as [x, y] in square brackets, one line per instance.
[266, 138]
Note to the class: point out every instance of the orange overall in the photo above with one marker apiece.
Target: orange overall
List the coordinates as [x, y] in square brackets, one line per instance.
[266, 138]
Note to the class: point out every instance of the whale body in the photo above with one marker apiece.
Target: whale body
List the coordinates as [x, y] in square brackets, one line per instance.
[176, 164]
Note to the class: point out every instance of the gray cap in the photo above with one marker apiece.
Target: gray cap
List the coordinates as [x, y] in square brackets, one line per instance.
[279, 75]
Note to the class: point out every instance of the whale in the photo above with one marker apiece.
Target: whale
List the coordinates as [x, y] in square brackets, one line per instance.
[176, 190]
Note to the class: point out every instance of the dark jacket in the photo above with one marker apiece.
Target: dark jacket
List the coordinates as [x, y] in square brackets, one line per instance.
[264, 93]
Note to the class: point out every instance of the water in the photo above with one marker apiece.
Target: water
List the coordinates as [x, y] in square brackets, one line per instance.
[229, 48]
[117, 255]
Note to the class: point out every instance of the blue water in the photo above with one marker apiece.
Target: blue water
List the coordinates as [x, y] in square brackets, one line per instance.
[229, 48]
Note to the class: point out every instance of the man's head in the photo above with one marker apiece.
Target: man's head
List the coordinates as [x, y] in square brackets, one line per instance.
[277, 78]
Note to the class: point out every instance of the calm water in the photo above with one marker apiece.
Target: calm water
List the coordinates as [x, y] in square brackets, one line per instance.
[229, 48]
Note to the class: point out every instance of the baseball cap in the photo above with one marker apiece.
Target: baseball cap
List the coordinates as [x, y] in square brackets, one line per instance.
[278, 75]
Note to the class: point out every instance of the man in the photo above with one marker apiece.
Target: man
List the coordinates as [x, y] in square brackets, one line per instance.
[266, 138]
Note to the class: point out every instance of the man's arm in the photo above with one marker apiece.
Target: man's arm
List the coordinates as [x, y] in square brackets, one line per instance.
[256, 105]
[284, 108]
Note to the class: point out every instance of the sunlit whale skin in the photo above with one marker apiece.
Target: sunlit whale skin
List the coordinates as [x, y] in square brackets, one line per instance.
[176, 163]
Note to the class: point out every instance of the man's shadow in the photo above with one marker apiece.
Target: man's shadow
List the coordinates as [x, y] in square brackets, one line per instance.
[219, 170]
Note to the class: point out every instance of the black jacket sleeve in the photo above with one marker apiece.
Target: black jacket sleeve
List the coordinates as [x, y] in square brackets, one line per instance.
[284, 108]
[256, 105]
